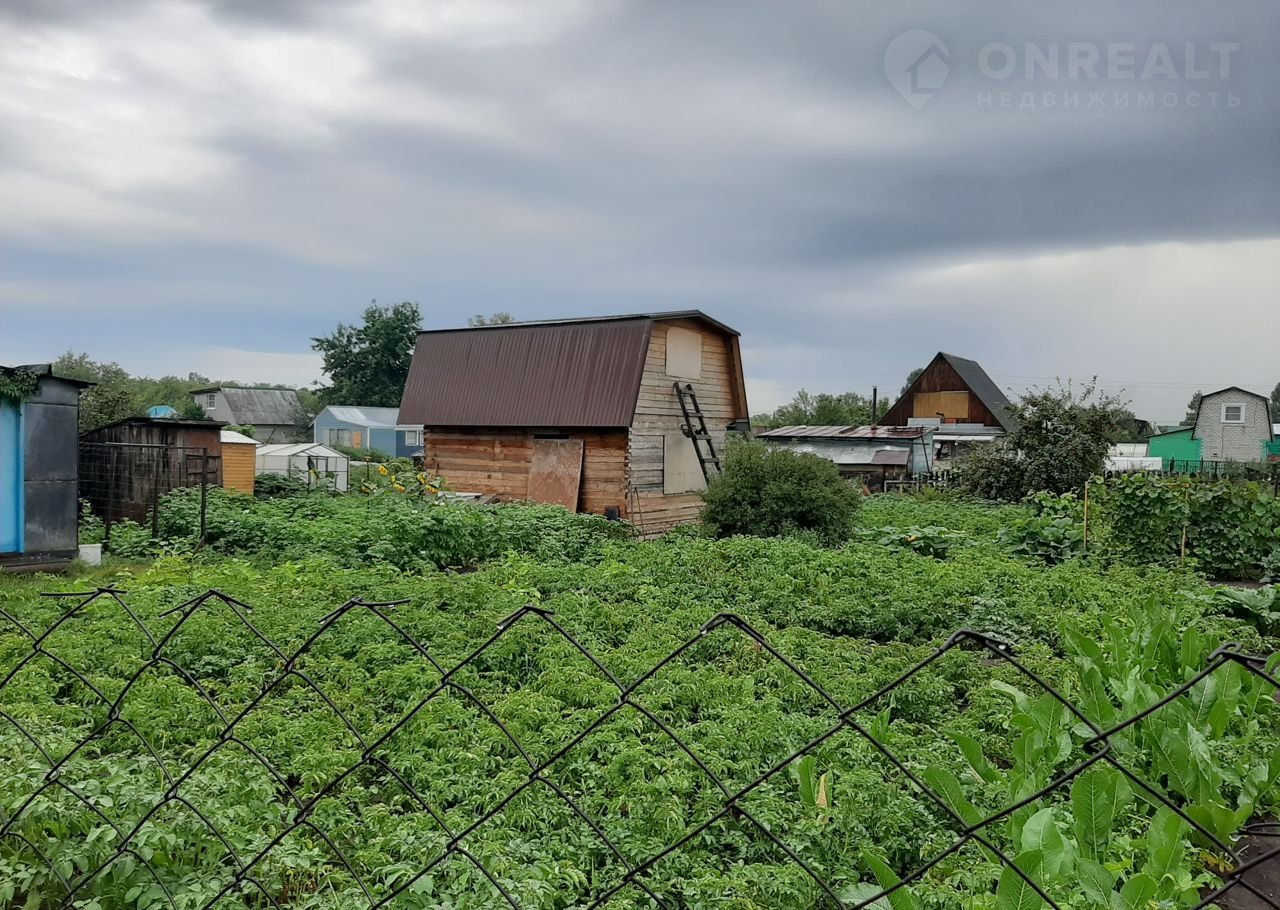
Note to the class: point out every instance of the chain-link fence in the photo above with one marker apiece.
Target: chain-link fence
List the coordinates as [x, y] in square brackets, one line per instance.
[125, 481]
[228, 872]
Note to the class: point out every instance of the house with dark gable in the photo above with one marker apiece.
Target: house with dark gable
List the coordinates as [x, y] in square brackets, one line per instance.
[953, 391]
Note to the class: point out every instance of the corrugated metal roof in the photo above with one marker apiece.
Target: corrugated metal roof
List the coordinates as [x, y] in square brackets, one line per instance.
[583, 373]
[299, 448]
[267, 407]
[234, 438]
[891, 456]
[366, 417]
[837, 432]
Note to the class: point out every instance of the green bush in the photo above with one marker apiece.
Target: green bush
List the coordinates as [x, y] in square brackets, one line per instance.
[768, 492]
[1230, 528]
[270, 486]
[406, 532]
[377, 456]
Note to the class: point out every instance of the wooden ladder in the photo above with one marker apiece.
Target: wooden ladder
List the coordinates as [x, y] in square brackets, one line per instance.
[699, 434]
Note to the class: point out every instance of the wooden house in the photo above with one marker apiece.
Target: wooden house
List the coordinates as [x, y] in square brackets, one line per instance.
[952, 390]
[622, 415]
[276, 415]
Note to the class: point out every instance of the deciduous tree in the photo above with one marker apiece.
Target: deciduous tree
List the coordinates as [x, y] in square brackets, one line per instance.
[368, 364]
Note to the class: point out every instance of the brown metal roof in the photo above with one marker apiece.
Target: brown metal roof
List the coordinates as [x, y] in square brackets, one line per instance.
[570, 374]
[891, 456]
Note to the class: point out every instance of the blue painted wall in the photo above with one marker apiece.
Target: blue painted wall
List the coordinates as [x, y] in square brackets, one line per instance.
[11, 478]
[384, 439]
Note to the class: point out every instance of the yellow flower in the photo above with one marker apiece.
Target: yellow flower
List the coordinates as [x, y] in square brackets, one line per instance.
[399, 488]
[382, 469]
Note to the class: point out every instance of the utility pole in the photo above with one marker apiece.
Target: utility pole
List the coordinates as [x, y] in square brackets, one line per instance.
[875, 405]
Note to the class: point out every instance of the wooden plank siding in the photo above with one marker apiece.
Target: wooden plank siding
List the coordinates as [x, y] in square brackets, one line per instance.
[239, 461]
[658, 415]
[496, 461]
[938, 377]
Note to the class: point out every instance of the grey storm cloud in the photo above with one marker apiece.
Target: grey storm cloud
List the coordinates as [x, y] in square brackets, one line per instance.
[284, 162]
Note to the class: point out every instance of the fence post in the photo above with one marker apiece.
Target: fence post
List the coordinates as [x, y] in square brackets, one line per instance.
[1086, 516]
[204, 491]
[155, 494]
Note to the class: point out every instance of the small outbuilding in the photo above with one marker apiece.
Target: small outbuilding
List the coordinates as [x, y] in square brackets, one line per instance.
[624, 416]
[39, 513]
[367, 429]
[316, 464]
[126, 466]
[239, 461]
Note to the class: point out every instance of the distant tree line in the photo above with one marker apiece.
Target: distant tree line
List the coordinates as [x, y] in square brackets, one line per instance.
[117, 394]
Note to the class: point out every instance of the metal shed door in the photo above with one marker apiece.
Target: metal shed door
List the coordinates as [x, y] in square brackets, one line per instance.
[10, 477]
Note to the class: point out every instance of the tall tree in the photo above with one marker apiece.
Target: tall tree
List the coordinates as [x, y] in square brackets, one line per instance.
[1275, 404]
[368, 364]
[1193, 408]
[911, 377]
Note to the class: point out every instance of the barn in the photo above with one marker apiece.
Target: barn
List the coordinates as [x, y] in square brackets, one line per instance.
[623, 416]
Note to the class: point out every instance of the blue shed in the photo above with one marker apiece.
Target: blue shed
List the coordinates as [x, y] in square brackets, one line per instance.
[39, 434]
[366, 428]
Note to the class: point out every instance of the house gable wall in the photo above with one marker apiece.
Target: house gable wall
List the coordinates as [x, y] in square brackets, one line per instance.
[1221, 441]
[657, 501]
[929, 395]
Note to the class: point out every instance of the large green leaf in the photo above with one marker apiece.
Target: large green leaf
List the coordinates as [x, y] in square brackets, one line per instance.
[975, 757]
[1041, 834]
[1014, 892]
[945, 784]
[1097, 796]
[1096, 883]
[901, 899]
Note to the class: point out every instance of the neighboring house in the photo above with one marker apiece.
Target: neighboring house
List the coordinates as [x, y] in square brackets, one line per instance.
[276, 415]
[39, 512]
[581, 412]
[311, 462]
[126, 466]
[953, 390]
[1174, 445]
[1234, 424]
[872, 455]
[367, 428]
[239, 461]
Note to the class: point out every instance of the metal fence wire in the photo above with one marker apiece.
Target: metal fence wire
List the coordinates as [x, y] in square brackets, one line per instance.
[239, 873]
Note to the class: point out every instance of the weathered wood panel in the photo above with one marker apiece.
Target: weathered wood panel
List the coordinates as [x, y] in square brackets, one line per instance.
[497, 462]
[658, 419]
[555, 472]
[238, 466]
[938, 376]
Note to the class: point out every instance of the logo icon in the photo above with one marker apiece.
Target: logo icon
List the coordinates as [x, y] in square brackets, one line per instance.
[917, 63]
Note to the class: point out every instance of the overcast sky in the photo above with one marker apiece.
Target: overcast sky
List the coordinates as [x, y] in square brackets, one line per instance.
[206, 185]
